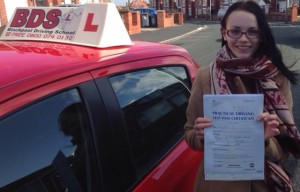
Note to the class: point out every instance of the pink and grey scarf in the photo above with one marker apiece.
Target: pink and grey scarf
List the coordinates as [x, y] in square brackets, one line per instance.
[262, 71]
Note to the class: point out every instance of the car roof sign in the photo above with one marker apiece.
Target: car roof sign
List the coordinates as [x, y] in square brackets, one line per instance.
[95, 24]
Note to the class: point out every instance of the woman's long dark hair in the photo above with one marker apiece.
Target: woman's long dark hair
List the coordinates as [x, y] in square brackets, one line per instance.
[267, 45]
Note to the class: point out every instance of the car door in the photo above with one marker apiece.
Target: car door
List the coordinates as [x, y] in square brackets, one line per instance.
[148, 109]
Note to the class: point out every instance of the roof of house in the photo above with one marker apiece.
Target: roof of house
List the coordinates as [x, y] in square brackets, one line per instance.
[138, 3]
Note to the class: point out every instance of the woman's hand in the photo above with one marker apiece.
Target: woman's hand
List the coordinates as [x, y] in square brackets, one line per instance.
[271, 124]
[200, 124]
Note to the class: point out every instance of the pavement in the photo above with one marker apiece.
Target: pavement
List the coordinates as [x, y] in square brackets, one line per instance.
[164, 35]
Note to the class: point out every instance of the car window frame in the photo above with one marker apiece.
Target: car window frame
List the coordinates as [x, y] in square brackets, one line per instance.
[119, 141]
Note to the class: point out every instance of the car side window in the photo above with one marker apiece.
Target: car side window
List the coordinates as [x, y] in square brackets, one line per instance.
[153, 103]
[43, 146]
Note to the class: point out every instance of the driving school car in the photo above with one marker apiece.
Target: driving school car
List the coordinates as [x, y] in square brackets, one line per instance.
[83, 108]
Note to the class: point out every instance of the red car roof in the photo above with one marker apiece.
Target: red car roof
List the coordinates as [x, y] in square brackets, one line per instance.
[24, 60]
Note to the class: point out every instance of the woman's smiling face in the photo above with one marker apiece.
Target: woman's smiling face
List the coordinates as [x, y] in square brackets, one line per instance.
[242, 47]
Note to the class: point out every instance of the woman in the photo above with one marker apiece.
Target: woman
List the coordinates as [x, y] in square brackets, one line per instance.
[248, 62]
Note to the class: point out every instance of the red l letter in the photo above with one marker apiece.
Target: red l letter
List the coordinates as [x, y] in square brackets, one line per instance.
[88, 24]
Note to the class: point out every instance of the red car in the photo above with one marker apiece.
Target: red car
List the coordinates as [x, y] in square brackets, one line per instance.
[84, 118]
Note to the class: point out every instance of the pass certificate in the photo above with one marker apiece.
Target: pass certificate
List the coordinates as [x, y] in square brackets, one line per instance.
[234, 145]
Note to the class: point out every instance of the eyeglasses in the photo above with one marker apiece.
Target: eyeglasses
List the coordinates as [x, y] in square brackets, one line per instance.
[236, 34]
